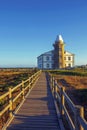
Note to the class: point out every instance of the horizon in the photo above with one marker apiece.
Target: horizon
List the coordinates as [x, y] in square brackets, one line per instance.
[29, 28]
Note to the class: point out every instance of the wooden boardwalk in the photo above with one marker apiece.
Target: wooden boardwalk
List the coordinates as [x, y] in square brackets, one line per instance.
[38, 111]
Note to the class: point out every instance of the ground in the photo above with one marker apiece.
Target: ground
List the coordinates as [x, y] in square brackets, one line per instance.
[12, 77]
[76, 88]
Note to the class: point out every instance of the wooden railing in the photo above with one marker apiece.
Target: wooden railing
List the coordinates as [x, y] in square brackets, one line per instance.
[14, 97]
[73, 114]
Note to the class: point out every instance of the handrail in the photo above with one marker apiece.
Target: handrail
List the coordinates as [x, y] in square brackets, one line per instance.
[16, 87]
[4, 95]
[77, 122]
[21, 90]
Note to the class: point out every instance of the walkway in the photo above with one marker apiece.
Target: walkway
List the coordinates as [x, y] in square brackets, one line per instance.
[38, 111]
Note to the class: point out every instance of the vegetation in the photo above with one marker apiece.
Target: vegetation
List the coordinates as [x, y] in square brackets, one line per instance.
[73, 72]
[12, 77]
[75, 82]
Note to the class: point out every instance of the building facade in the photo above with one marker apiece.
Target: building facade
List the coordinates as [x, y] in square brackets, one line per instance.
[45, 61]
[57, 58]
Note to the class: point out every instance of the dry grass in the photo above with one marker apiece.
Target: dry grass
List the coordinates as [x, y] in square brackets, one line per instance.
[12, 77]
[75, 82]
[76, 88]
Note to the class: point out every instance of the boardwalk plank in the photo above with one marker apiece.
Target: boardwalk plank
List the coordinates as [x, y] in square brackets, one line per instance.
[38, 111]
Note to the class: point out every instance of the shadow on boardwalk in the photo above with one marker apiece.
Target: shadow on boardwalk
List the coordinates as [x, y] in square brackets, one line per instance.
[38, 111]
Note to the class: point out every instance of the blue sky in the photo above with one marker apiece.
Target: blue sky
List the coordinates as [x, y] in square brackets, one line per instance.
[29, 28]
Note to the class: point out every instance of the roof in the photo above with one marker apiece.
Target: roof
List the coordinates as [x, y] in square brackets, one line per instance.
[46, 53]
[68, 53]
[59, 38]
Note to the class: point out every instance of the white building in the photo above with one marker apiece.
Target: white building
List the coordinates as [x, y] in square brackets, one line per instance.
[68, 59]
[45, 60]
[57, 58]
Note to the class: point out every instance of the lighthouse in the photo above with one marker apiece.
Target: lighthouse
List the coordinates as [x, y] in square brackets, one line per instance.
[58, 58]
[59, 52]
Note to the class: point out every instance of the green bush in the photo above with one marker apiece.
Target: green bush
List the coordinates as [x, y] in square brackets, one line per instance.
[69, 72]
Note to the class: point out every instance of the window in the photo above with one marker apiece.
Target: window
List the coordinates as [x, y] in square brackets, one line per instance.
[47, 58]
[52, 57]
[47, 65]
[69, 58]
[69, 65]
[52, 65]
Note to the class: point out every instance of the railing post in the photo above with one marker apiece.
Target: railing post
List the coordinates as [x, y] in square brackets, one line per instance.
[55, 89]
[34, 77]
[53, 84]
[62, 100]
[78, 113]
[22, 89]
[10, 101]
[31, 80]
[81, 112]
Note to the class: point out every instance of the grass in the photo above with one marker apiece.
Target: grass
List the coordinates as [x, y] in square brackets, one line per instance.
[12, 77]
[75, 82]
[73, 72]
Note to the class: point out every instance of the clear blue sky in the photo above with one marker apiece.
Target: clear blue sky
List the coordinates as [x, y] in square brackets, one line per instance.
[28, 28]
